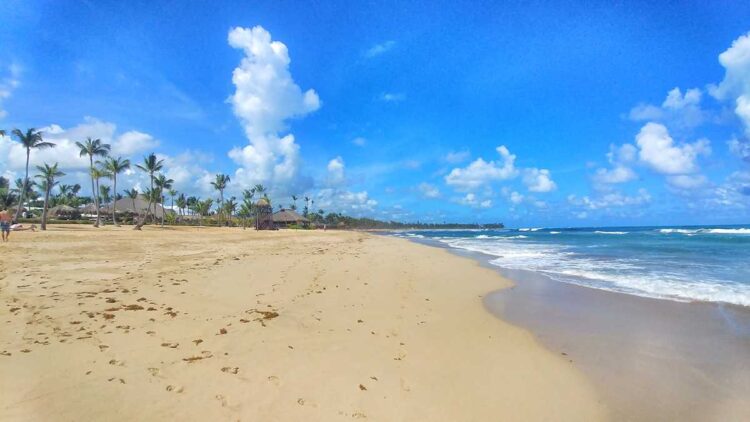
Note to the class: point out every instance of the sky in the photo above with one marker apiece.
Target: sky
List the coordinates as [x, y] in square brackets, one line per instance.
[548, 114]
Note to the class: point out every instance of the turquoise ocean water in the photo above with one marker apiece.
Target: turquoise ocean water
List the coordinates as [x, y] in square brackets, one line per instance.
[683, 263]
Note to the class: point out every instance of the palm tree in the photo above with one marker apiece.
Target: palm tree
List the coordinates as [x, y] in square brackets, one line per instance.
[7, 198]
[96, 174]
[230, 207]
[150, 165]
[162, 184]
[220, 184]
[93, 147]
[191, 202]
[181, 203]
[104, 192]
[25, 188]
[48, 175]
[172, 194]
[203, 208]
[115, 166]
[32, 139]
[307, 206]
[294, 202]
[132, 194]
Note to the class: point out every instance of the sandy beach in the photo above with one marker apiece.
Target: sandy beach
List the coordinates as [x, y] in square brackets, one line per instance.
[226, 324]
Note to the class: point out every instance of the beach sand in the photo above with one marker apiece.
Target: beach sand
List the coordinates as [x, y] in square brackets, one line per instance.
[226, 324]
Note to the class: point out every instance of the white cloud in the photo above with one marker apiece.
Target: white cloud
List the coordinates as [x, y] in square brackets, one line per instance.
[359, 141]
[617, 174]
[8, 84]
[455, 157]
[736, 83]
[611, 200]
[658, 151]
[481, 172]
[620, 158]
[335, 171]
[538, 180]
[687, 181]
[133, 142]
[429, 191]
[678, 109]
[66, 153]
[337, 200]
[392, 97]
[379, 49]
[515, 198]
[266, 97]
[740, 149]
[471, 200]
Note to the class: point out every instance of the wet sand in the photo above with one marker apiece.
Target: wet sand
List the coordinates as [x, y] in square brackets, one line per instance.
[650, 359]
[225, 324]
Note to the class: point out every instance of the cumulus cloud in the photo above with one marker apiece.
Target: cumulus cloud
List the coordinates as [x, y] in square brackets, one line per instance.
[515, 198]
[133, 142]
[740, 149]
[335, 171]
[538, 180]
[472, 200]
[66, 153]
[337, 200]
[736, 83]
[611, 200]
[481, 172]
[429, 191]
[8, 84]
[678, 109]
[455, 157]
[659, 151]
[265, 98]
[379, 49]
[620, 159]
[687, 181]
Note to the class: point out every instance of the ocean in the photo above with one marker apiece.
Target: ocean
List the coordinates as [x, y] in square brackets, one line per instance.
[681, 263]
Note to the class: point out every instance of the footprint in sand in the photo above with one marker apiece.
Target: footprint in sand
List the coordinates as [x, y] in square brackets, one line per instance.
[175, 389]
[230, 370]
[170, 345]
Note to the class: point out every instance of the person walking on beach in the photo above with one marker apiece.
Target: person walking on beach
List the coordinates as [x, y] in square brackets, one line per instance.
[5, 224]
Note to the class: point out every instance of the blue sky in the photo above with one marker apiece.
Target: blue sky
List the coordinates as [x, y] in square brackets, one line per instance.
[530, 114]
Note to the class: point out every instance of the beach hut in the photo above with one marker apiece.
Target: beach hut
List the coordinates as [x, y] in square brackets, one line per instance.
[64, 212]
[263, 215]
[138, 206]
[287, 218]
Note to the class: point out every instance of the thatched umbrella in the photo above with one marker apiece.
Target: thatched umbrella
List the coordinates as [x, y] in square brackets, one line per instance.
[286, 218]
[64, 211]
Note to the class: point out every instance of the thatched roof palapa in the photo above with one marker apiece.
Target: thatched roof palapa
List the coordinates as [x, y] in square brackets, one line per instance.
[289, 217]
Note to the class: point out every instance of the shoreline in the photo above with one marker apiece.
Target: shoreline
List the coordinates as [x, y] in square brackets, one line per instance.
[213, 323]
[651, 358]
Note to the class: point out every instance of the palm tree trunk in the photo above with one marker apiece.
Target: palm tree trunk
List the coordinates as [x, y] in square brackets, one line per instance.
[98, 205]
[93, 188]
[44, 211]
[114, 182]
[163, 211]
[24, 187]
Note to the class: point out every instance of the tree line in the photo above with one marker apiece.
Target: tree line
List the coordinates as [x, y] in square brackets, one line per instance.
[227, 211]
